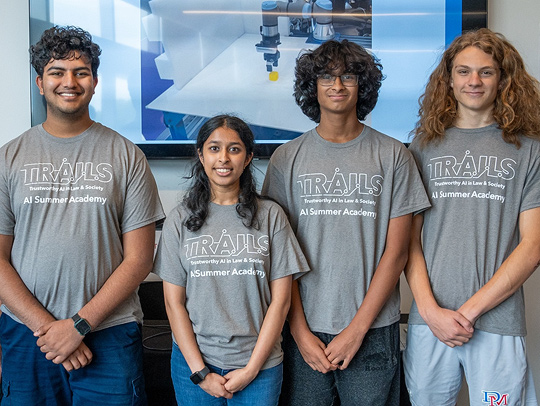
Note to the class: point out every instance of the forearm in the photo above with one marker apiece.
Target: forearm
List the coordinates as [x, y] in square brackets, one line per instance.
[381, 287]
[120, 285]
[296, 317]
[416, 270]
[124, 280]
[386, 274]
[272, 324]
[513, 272]
[511, 275]
[181, 326]
[19, 300]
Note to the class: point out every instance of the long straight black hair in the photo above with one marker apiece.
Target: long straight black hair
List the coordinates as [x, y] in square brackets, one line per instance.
[198, 197]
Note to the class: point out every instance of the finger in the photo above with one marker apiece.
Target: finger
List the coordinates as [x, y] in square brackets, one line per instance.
[344, 364]
[75, 362]
[50, 356]
[88, 354]
[67, 366]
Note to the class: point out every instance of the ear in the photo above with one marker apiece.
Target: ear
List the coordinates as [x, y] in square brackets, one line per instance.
[248, 160]
[452, 83]
[201, 159]
[95, 84]
[39, 83]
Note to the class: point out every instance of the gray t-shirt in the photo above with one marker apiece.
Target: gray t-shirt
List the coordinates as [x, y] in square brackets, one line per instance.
[478, 185]
[226, 269]
[67, 202]
[340, 199]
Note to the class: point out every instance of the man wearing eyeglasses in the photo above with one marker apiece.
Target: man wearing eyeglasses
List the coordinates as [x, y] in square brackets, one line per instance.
[350, 192]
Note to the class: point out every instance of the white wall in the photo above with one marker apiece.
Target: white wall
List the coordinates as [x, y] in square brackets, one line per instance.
[518, 20]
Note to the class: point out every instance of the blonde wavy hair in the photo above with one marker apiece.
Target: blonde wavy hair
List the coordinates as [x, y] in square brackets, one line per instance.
[517, 105]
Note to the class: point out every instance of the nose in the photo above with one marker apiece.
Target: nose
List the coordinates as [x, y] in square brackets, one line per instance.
[475, 79]
[224, 156]
[337, 83]
[69, 79]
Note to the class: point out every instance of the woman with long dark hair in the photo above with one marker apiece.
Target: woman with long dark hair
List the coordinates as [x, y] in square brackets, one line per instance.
[227, 258]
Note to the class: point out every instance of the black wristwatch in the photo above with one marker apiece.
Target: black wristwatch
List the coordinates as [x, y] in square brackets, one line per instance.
[81, 325]
[198, 377]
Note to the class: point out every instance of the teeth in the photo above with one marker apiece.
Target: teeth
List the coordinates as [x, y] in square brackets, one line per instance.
[223, 170]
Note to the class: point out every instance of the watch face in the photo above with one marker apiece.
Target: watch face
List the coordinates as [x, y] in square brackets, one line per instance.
[82, 327]
[196, 378]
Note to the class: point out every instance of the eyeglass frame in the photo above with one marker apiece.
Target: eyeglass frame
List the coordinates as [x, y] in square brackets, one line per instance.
[334, 79]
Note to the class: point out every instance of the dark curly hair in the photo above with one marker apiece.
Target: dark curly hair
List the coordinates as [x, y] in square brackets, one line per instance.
[341, 57]
[198, 197]
[61, 43]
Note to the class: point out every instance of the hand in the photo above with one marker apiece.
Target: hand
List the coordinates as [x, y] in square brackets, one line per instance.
[79, 359]
[239, 379]
[342, 349]
[214, 385]
[312, 350]
[58, 340]
[450, 327]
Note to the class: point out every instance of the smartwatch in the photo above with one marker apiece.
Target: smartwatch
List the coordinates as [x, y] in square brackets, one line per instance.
[198, 377]
[81, 325]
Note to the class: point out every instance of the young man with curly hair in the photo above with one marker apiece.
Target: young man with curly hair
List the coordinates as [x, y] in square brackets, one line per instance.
[350, 192]
[477, 147]
[78, 207]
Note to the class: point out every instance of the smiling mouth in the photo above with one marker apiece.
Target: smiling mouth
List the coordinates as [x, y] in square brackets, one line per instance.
[223, 170]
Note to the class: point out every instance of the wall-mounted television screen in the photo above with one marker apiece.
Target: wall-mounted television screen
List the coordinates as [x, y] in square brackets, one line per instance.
[169, 65]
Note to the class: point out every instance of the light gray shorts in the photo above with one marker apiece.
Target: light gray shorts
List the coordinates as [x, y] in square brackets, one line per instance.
[495, 368]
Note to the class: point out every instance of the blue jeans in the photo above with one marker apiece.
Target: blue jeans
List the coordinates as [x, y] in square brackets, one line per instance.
[114, 377]
[262, 391]
[371, 379]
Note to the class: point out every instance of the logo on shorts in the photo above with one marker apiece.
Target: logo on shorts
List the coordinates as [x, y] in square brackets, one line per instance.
[493, 398]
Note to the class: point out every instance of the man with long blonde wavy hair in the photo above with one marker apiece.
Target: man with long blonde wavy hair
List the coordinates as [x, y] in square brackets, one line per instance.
[477, 147]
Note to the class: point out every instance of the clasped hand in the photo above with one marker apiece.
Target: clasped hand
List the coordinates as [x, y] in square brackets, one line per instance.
[337, 355]
[62, 344]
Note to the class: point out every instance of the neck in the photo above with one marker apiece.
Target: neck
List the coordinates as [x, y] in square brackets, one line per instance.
[474, 119]
[338, 128]
[66, 128]
[225, 196]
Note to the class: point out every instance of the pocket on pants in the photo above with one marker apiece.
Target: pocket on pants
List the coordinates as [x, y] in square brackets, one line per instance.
[139, 394]
[4, 394]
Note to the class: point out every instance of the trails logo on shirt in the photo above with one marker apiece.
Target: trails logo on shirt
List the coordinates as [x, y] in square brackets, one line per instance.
[493, 398]
[340, 184]
[66, 173]
[470, 167]
[227, 245]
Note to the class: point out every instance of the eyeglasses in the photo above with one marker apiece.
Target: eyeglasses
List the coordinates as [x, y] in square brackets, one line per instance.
[346, 79]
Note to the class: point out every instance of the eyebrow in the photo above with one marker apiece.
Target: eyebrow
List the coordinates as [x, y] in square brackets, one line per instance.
[220, 142]
[483, 67]
[64, 69]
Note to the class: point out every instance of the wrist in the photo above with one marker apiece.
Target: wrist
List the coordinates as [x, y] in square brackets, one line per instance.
[198, 376]
[468, 313]
[81, 325]
[426, 311]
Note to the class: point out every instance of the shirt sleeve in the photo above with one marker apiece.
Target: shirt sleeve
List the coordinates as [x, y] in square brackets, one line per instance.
[274, 184]
[409, 194]
[7, 217]
[141, 205]
[286, 255]
[530, 197]
[168, 263]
